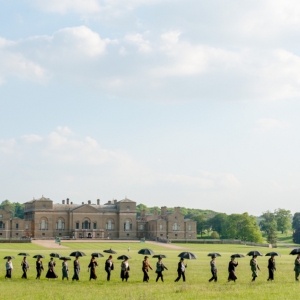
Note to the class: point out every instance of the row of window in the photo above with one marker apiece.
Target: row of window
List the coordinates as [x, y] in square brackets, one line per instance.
[175, 227]
[2, 225]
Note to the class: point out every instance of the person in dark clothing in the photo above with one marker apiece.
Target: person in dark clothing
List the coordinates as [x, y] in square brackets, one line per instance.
[9, 267]
[92, 266]
[213, 269]
[109, 266]
[254, 267]
[51, 269]
[39, 268]
[76, 265]
[271, 267]
[231, 269]
[125, 269]
[25, 267]
[145, 268]
[181, 270]
[159, 270]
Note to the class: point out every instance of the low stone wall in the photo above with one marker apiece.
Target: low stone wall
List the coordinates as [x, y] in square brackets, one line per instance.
[15, 241]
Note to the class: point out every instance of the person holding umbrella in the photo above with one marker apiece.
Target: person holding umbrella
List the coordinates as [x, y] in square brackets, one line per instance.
[65, 269]
[39, 268]
[51, 269]
[125, 269]
[213, 269]
[297, 267]
[9, 267]
[181, 270]
[25, 267]
[145, 268]
[76, 268]
[159, 269]
[109, 266]
[92, 268]
[271, 267]
[231, 269]
[254, 267]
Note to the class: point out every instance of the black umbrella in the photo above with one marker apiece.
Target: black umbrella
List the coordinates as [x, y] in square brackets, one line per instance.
[124, 257]
[214, 254]
[255, 253]
[23, 254]
[110, 251]
[55, 255]
[9, 257]
[159, 256]
[146, 251]
[187, 255]
[77, 253]
[39, 256]
[237, 255]
[273, 254]
[295, 251]
[65, 258]
[97, 255]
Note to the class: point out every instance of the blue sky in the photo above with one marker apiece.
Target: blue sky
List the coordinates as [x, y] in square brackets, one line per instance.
[177, 103]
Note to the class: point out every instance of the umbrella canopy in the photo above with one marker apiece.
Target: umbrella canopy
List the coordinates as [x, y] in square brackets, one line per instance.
[187, 255]
[159, 256]
[65, 258]
[77, 253]
[23, 254]
[237, 255]
[39, 256]
[146, 251]
[255, 253]
[295, 251]
[214, 254]
[273, 254]
[124, 257]
[97, 255]
[55, 255]
[110, 251]
[9, 257]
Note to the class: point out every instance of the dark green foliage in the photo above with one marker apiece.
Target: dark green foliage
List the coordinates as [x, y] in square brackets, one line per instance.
[217, 223]
[16, 208]
[201, 223]
[296, 221]
[283, 218]
[296, 236]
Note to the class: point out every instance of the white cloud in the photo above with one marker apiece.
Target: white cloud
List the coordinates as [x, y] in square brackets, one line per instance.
[65, 130]
[7, 146]
[268, 124]
[143, 45]
[32, 138]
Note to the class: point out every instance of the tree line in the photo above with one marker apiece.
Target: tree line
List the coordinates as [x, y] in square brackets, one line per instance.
[16, 208]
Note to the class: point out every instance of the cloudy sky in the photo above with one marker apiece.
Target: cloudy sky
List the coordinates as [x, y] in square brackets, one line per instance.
[167, 102]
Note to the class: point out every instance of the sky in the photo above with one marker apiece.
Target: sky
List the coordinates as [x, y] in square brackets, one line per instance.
[165, 102]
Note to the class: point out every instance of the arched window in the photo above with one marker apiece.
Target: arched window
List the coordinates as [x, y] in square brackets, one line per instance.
[141, 226]
[2, 225]
[160, 227]
[127, 225]
[175, 226]
[110, 225]
[86, 224]
[190, 227]
[43, 224]
[60, 224]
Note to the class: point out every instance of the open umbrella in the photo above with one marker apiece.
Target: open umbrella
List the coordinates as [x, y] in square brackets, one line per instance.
[255, 253]
[23, 254]
[273, 254]
[77, 253]
[9, 257]
[110, 251]
[295, 251]
[55, 255]
[38, 256]
[237, 255]
[65, 258]
[187, 255]
[97, 255]
[146, 251]
[214, 254]
[124, 257]
[159, 256]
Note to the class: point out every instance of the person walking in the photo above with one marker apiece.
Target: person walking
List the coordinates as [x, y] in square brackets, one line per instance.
[159, 269]
[51, 269]
[65, 270]
[181, 270]
[9, 267]
[39, 268]
[145, 268]
[213, 269]
[25, 267]
[76, 265]
[297, 267]
[92, 267]
[231, 269]
[254, 267]
[109, 266]
[271, 268]
[125, 269]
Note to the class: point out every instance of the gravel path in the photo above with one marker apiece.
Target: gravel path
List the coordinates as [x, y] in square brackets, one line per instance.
[48, 244]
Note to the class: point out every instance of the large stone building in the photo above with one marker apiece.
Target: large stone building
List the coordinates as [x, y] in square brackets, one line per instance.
[114, 219]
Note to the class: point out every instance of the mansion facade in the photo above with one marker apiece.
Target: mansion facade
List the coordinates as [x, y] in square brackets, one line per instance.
[112, 220]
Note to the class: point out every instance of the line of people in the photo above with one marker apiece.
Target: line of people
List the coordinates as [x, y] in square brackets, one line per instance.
[160, 267]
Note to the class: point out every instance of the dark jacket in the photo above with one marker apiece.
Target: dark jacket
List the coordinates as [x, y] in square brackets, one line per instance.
[271, 264]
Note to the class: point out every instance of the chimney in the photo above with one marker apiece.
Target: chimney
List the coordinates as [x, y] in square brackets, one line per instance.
[68, 201]
[82, 202]
[115, 201]
[71, 202]
[63, 202]
[163, 210]
[89, 202]
[155, 212]
[109, 202]
[98, 201]
[177, 209]
[143, 212]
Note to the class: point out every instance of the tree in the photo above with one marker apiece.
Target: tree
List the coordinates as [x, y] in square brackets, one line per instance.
[283, 218]
[201, 223]
[296, 221]
[296, 236]
[215, 235]
[217, 223]
[16, 208]
[269, 219]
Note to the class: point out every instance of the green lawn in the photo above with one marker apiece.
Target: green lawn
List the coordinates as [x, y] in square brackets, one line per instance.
[196, 287]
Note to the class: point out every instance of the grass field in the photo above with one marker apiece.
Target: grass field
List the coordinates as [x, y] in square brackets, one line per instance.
[196, 287]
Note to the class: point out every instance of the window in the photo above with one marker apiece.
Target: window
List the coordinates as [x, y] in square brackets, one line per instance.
[0, 233]
[127, 234]
[43, 224]
[17, 226]
[59, 233]
[160, 227]
[43, 234]
[127, 225]
[60, 224]
[86, 225]
[175, 226]
[17, 233]
[176, 218]
[190, 227]
[110, 225]
[141, 226]
[2, 225]
[77, 225]
[161, 234]
[26, 226]
[44, 205]
[176, 234]
[94, 225]
[128, 208]
[0, 216]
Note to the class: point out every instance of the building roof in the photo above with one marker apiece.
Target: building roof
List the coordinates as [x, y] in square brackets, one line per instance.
[125, 200]
[40, 199]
